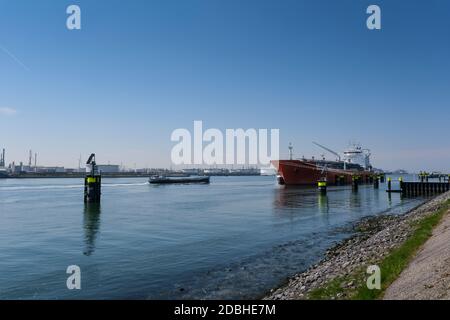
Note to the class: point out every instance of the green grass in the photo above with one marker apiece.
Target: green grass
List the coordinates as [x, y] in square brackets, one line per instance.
[334, 287]
[391, 266]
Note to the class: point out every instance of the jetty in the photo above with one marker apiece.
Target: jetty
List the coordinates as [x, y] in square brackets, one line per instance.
[419, 188]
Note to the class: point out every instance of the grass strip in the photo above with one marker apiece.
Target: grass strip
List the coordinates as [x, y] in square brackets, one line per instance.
[391, 266]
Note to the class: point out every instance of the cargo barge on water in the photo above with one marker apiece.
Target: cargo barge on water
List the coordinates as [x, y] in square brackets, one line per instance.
[177, 180]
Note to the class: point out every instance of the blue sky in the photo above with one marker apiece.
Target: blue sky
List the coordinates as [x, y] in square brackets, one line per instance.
[140, 69]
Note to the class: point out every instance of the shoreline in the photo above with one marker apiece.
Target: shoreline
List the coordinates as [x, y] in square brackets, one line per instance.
[375, 238]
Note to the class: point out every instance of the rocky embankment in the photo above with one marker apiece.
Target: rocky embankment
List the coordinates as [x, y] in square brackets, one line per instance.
[375, 238]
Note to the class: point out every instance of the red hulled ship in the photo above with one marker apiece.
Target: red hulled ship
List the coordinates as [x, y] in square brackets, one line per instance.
[356, 162]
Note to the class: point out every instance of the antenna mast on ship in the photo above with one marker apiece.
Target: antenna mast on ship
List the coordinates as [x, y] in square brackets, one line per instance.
[290, 151]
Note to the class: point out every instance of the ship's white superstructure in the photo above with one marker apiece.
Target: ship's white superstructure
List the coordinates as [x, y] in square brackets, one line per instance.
[357, 155]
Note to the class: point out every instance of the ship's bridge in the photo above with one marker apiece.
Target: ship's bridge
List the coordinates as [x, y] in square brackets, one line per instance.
[357, 155]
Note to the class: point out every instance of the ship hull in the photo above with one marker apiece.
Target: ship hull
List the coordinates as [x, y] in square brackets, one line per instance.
[299, 172]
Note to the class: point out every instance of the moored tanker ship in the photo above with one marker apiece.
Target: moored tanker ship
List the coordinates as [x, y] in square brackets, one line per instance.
[356, 162]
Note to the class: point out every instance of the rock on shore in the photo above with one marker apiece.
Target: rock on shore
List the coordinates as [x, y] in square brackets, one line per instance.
[376, 237]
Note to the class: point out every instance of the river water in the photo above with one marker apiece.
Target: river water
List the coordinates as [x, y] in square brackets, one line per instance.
[235, 238]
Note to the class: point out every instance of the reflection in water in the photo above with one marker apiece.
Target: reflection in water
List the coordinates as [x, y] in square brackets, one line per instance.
[377, 193]
[290, 200]
[355, 199]
[323, 203]
[292, 197]
[91, 224]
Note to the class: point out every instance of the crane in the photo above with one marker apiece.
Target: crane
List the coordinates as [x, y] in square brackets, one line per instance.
[329, 150]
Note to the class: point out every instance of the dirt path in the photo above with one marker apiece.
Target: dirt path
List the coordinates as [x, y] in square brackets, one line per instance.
[428, 275]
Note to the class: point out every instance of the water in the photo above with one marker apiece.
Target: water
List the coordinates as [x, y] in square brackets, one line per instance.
[235, 238]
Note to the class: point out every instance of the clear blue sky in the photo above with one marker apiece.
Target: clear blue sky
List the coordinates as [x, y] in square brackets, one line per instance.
[140, 69]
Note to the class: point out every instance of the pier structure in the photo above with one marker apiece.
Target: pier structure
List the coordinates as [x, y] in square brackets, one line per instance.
[356, 180]
[419, 188]
[424, 188]
[424, 176]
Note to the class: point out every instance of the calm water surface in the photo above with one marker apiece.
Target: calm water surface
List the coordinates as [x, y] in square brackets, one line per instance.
[235, 238]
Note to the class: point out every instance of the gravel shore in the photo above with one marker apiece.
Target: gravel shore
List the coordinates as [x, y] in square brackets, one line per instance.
[376, 237]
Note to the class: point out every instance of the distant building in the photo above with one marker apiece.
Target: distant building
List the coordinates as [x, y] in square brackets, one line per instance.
[49, 170]
[21, 168]
[105, 168]
[191, 171]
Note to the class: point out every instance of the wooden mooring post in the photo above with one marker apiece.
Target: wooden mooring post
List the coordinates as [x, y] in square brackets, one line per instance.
[376, 182]
[355, 182]
[389, 185]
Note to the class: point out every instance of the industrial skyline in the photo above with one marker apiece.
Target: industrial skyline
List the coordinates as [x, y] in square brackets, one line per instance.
[32, 166]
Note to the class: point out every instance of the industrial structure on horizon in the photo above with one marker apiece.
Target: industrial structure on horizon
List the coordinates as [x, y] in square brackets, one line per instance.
[2, 159]
[32, 166]
[32, 169]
